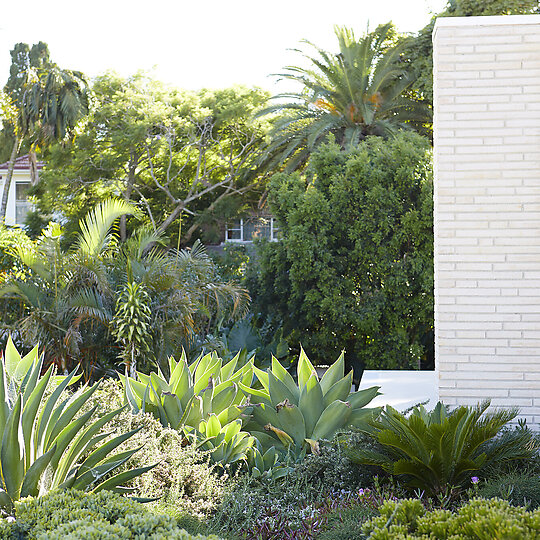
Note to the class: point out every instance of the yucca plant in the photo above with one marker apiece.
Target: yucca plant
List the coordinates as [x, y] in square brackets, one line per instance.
[294, 416]
[47, 444]
[440, 450]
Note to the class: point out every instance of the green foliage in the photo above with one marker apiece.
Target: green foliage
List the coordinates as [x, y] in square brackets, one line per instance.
[296, 415]
[44, 447]
[477, 520]
[355, 264]
[73, 514]
[352, 94]
[183, 481]
[143, 140]
[439, 450]
[202, 398]
[520, 488]
[70, 295]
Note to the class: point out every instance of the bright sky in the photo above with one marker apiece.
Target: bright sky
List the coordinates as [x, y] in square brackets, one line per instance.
[210, 43]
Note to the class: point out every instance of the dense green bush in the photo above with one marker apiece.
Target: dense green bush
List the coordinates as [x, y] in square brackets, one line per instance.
[354, 268]
[479, 519]
[438, 451]
[74, 515]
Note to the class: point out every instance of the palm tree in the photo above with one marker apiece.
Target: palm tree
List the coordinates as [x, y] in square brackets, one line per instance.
[71, 295]
[358, 92]
[63, 290]
[177, 295]
[52, 102]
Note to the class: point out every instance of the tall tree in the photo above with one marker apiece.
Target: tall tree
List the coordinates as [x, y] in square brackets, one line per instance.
[357, 92]
[46, 105]
[178, 155]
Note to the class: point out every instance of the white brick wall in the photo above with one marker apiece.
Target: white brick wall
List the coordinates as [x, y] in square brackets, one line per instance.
[487, 211]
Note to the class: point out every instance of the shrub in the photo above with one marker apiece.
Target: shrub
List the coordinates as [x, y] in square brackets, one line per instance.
[437, 451]
[520, 488]
[354, 268]
[74, 514]
[479, 519]
[182, 479]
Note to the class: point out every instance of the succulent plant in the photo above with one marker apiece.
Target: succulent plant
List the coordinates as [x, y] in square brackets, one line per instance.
[46, 442]
[192, 393]
[295, 416]
[227, 443]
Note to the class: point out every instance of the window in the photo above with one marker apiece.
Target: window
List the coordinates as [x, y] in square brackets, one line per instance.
[22, 204]
[247, 229]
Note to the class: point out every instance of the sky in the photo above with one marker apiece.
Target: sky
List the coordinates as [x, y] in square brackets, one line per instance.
[192, 45]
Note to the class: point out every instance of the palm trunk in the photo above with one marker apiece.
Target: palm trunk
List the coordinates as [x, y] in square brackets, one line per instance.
[7, 183]
[34, 173]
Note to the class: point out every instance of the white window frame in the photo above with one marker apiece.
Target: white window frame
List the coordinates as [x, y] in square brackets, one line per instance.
[271, 238]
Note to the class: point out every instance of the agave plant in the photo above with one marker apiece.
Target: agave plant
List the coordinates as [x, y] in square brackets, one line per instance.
[46, 444]
[268, 465]
[437, 450]
[193, 392]
[227, 443]
[293, 417]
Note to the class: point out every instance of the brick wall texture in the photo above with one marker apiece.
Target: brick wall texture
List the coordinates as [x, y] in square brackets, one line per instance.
[487, 211]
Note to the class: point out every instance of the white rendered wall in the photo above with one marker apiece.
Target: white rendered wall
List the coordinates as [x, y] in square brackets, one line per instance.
[487, 211]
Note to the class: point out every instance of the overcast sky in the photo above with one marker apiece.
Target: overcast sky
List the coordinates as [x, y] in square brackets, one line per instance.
[209, 43]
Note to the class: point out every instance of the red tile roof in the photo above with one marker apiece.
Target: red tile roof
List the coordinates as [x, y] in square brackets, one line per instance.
[22, 163]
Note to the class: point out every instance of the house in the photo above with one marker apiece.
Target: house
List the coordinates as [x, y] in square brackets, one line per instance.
[249, 228]
[18, 204]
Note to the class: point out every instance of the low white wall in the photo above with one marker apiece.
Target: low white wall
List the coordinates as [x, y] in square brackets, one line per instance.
[487, 210]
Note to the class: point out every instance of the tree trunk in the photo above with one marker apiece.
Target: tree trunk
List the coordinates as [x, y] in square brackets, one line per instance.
[127, 197]
[7, 183]
[34, 173]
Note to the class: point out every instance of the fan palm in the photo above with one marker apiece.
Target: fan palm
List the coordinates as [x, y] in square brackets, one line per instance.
[358, 92]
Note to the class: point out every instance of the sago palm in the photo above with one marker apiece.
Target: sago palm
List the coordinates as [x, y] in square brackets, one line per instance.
[358, 92]
[440, 450]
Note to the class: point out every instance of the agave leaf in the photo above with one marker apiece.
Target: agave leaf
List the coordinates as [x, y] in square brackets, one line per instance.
[311, 403]
[12, 359]
[30, 411]
[333, 374]
[4, 406]
[73, 406]
[334, 417]
[34, 473]
[173, 409]
[114, 481]
[223, 399]
[26, 363]
[339, 391]
[47, 412]
[305, 369]
[12, 452]
[361, 398]
[292, 422]
[285, 378]
[280, 392]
